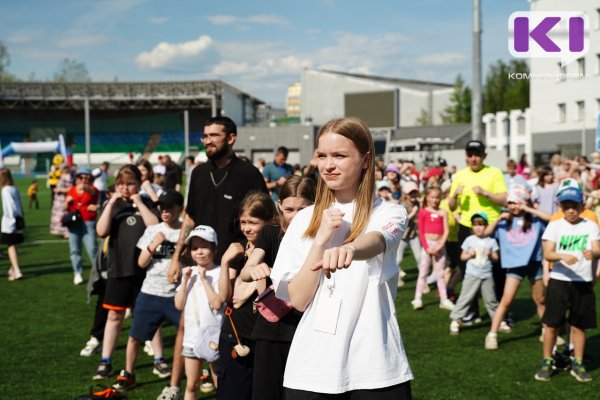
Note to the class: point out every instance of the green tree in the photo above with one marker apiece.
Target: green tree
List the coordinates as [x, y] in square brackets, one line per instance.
[5, 76]
[424, 118]
[500, 93]
[70, 70]
[459, 110]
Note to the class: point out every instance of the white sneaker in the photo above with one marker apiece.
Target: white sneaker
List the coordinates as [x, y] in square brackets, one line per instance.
[504, 327]
[491, 341]
[78, 279]
[148, 348]
[128, 313]
[90, 348]
[417, 304]
[400, 282]
[170, 393]
[402, 274]
[447, 304]
[454, 328]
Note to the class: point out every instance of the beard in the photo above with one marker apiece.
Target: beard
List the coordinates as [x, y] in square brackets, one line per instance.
[217, 153]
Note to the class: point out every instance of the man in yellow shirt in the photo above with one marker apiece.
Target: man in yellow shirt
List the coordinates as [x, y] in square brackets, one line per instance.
[477, 188]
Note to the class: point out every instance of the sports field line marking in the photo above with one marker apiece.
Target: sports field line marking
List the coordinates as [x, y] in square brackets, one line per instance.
[49, 241]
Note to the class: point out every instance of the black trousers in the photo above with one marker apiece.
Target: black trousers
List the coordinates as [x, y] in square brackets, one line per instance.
[396, 392]
[235, 374]
[269, 364]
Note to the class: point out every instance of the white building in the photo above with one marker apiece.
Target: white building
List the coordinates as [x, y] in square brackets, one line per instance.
[324, 95]
[564, 109]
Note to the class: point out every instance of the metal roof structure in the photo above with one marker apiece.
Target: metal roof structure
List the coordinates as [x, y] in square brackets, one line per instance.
[118, 95]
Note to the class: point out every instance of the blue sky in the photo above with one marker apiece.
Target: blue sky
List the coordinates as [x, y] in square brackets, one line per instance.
[258, 46]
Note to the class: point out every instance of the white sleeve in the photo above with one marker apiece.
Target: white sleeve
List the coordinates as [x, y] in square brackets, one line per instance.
[146, 238]
[550, 231]
[291, 254]
[390, 220]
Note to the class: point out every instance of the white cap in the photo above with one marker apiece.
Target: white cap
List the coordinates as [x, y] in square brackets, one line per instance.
[203, 231]
[159, 169]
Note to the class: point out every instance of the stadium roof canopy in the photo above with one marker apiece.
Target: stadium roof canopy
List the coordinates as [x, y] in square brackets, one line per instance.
[118, 95]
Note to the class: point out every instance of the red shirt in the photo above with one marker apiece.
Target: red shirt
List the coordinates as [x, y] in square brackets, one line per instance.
[429, 222]
[82, 200]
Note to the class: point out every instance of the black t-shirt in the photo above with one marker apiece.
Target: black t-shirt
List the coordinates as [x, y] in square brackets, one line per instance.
[173, 174]
[215, 196]
[126, 227]
[283, 330]
[243, 317]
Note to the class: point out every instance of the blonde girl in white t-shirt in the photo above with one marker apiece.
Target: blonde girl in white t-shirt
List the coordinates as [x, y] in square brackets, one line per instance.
[336, 263]
[199, 284]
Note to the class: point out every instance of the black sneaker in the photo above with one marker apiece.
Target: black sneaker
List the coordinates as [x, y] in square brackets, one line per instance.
[560, 362]
[125, 381]
[579, 372]
[162, 369]
[103, 371]
[545, 371]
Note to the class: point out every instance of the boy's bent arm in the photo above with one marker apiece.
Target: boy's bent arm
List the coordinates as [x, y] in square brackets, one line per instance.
[175, 268]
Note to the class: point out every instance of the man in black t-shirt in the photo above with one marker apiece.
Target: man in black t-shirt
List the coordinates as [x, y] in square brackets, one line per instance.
[217, 188]
[173, 175]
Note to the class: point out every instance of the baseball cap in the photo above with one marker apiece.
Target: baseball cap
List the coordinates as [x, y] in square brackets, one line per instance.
[83, 171]
[568, 183]
[482, 215]
[409, 186]
[159, 169]
[570, 194]
[442, 162]
[382, 185]
[392, 167]
[475, 146]
[171, 198]
[203, 231]
[433, 171]
[518, 194]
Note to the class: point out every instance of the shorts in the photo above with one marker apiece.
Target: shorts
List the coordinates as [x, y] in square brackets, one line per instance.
[575, 297]
[188, 352]
[533, 272]
[11, 239]
[121, 292]
[149, 314]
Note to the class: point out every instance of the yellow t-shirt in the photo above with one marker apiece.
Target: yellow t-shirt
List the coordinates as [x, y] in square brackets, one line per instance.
[488, 178]
[452, 224]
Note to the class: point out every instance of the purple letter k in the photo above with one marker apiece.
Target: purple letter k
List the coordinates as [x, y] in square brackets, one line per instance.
[539, 34]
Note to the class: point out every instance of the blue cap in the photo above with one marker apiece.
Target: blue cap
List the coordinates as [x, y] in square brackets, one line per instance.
[570, 194]
[83, 171]
[482, 215]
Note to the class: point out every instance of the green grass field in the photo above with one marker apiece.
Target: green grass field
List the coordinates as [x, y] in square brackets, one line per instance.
[46, 320]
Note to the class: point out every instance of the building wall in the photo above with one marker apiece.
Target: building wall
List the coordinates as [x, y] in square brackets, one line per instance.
[547, 94]
[233, 107]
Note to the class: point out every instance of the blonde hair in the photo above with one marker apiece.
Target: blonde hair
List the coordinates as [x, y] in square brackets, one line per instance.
[358, 133]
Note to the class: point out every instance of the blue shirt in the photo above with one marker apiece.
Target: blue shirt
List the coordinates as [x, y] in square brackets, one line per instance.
[272, 173]
[518, 248]
[480, 266]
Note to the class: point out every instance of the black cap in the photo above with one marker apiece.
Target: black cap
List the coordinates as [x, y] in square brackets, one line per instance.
[442, 162]
[171, 198]
[475, 146]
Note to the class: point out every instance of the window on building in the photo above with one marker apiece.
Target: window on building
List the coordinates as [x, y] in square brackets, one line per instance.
[562, 112]
[581, 66]
[580, 109]
[493, 128]
[521, 126]
[597, 64]
[506, 127]
[598, 18]
[520, 150]
[598, 106]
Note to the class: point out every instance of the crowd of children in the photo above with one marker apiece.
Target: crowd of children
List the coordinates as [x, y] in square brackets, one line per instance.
[241, 321]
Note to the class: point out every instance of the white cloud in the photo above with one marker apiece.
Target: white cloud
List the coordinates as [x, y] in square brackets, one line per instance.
[261, 19]
[81, 40]
[165, 53]
[442, 59]
[158, 20]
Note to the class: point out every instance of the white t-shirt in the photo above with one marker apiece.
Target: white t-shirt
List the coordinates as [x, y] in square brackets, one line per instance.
[156, 282]
[11, 207]
[480, 266]
[572, 239]
[100, 179]
[197, 309]
[366, 350]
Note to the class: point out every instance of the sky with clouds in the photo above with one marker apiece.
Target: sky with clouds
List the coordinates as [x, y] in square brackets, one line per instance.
[258, 46]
